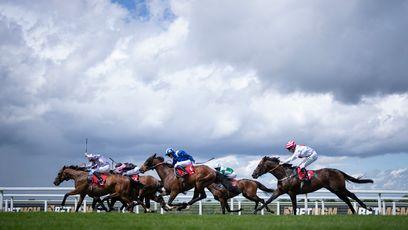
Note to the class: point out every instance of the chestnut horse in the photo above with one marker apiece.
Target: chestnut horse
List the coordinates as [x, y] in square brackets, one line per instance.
[247, 187]
[332, 179]
[202, 178]
[116, 185]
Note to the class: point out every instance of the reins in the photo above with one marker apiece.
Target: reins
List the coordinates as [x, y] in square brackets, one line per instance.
[285, 178]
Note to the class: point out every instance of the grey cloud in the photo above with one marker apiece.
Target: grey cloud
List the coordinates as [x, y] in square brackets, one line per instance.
[351, 49]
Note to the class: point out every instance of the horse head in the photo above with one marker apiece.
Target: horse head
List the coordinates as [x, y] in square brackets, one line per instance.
[265, 165]
[151, 163]
[61, 176]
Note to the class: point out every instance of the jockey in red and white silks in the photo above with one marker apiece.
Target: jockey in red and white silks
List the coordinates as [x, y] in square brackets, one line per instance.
[301, 151]
[127, 169]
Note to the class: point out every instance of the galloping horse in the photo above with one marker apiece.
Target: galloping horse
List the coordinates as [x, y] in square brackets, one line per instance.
[332, 179]
[247, 187]
[150, 186]
[116, 185]
[202, 178]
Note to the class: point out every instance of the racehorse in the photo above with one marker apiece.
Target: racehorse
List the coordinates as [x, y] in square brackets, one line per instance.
[332, 179]
[116, 185]
[247, 187]
[202, 178]
[149, 187]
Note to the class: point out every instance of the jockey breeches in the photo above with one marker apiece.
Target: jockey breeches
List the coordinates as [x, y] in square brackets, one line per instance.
[102, 169]
[309, 160]
[183, 164]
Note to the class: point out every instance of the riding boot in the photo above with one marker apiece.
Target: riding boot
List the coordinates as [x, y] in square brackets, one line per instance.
[98, 175]
[305, 176]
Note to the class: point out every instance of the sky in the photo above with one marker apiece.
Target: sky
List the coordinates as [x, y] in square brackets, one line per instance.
[234, 80]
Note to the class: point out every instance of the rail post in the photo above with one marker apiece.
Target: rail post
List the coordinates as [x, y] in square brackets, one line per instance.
[379, 204]
[316, 208]
[45, 206]
[75, 203]
[200, 208]
[1, 200]
[11, 204]
[383, 208]
[277, 208]
[394, 208]
[137, 209]
[84, 205]
[232, 204]
[306, 206]
[239, 207]
[355, 207]
[155, 206]
[6, 205]
[322, 207]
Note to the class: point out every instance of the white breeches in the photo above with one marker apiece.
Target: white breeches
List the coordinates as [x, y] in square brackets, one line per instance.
[134, 171]
[183, 163]
[308, 160]
[102, 169]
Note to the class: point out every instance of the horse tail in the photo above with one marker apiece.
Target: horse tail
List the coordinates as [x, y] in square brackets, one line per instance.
[226, 183]
[356, 180]
[263, 187]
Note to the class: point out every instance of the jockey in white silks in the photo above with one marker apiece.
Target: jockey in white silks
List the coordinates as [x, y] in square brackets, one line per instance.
[301, 151]
[97, 165]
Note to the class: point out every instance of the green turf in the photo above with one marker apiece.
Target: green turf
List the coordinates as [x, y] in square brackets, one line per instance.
[171, 221]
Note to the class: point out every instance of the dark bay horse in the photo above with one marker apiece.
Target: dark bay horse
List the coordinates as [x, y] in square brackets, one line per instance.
[332, 179]
[150, 189]
[247, 187]
[116, 186]
[202, 178]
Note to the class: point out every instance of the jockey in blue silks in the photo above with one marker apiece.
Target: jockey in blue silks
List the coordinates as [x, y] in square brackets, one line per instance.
[181, 159]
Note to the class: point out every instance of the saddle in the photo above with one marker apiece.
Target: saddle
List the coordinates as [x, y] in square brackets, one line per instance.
[188, 170]
[95, 181]
[302, 176]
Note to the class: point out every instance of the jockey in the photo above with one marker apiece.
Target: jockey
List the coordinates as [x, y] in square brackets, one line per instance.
[301, 151]
[126, 169]
[181, 159]
[97, 165]
[226, 171]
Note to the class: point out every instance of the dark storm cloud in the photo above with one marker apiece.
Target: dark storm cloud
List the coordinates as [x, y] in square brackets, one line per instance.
[351, 49]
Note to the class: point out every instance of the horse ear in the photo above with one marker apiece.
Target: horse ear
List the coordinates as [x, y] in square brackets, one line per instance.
[154, 156]
[64, 167]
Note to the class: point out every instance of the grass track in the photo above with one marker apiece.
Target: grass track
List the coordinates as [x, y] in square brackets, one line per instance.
[156, 221]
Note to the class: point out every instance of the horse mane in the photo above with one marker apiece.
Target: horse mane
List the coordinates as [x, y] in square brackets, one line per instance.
[277, 160]
[161, 158]
[75, 167]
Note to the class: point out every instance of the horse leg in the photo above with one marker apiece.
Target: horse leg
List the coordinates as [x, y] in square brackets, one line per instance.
[257, 200]
[294, 203]
[81, 199]
[199, 194]
[274, 195]
[93, 204]
[342, 194]
[73, 192]
[100, 204]
[159, 199]
[173, 196]
[354, 197]
[224, 204]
